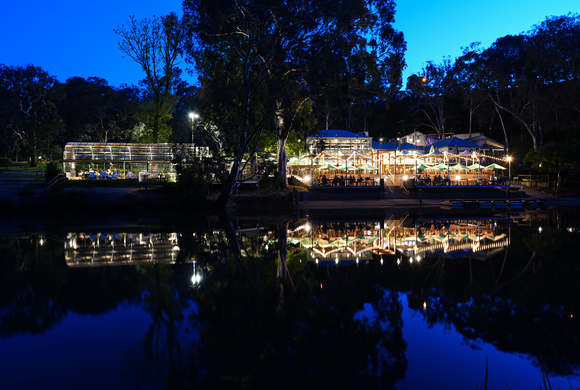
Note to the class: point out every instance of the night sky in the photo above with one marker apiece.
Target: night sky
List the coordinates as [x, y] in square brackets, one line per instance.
[70, 38]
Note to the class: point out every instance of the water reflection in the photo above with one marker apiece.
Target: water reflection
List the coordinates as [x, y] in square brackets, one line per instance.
[349, 241]
[108, 249]
[313, 302]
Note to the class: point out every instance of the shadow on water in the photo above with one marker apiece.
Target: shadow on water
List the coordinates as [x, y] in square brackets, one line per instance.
[311, 302]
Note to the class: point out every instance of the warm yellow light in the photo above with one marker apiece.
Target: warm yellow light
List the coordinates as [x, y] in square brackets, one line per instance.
[424, 305]
[457, 177]
[509, 158]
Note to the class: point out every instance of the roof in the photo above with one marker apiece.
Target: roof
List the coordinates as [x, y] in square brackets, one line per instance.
[384, 145]
[338, 134]
[409, 146]
[482, 140]
[452, 142]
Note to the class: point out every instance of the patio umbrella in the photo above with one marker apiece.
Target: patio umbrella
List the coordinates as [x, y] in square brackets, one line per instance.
[458, 166]
[366, 166]
[495, 166]
[422, 166]
[356, 153]
[439, 167]
[346, 167]
[476, 166]
[326, 166]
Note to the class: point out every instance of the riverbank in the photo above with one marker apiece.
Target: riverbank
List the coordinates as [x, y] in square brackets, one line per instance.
[29, 197]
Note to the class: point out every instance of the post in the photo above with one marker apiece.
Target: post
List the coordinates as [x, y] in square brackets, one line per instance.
[509, 158]
[193, 116]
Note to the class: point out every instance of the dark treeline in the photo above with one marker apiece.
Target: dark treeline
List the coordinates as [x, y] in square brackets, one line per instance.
[269, 83]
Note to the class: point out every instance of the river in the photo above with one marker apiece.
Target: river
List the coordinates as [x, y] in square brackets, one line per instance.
[385, 300]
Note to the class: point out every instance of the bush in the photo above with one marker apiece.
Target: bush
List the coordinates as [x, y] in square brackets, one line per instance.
[52, 171]
[5, 162]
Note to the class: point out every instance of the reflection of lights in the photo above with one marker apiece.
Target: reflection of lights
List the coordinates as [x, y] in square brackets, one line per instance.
[336, 261]
[321, 286]
[41, 242]
[196, 276]
[381, 261]
[424, 305]
[398, 261]
[540, 229]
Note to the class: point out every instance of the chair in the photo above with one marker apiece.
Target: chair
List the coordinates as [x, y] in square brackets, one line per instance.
[115, 175]
[92, 175]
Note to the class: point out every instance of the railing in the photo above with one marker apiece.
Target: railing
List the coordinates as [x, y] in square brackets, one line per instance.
[542, 181]
[57, 180]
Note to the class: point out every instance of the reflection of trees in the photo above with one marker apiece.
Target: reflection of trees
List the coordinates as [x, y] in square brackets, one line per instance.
[524, 304]
[37, 289]
[273, 326]
[161, 356]
[31, 280]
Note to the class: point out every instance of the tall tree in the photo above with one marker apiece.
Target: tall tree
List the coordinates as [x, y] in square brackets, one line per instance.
[30, 114]
[156, 45]
[95, 111]
[431, 92]
[295, 50]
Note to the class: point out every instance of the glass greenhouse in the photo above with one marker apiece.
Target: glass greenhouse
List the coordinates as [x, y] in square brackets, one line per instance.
[128, 160]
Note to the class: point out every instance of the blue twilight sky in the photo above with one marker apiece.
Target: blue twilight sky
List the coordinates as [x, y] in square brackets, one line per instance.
[74, 38]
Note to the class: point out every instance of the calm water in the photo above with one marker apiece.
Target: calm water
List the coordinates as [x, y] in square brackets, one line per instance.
[384, 300]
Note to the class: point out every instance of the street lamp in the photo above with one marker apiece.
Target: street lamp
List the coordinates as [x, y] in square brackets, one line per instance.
[193, 116]
[509, 159]
[380, 157]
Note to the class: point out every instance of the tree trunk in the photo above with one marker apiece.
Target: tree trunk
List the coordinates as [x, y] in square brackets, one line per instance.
[281, 138]
[285, 283]
[282, 163]
[503, 127]
[155, 134]
[229, 186]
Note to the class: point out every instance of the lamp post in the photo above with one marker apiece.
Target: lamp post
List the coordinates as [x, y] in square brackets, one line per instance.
[193, 116]
[380, 157]
[509, 159]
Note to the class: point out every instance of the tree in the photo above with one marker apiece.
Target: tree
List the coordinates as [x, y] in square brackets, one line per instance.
[95, 111]
[554, 157]
[156, 45]
[292, 51]
[30, 115]
[527, 75]
[431, 91]
[232, 76]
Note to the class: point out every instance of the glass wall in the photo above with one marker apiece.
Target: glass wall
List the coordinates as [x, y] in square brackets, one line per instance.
[129, 160]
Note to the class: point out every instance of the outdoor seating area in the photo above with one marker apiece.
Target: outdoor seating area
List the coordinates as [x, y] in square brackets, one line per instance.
[346, 181]
[356, 169]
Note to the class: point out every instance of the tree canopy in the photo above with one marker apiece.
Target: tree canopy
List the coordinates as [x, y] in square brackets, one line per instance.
[260, 61]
